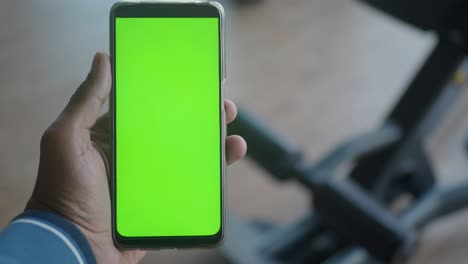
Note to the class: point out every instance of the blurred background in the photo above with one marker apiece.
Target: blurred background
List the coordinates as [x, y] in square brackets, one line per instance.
[319, 71]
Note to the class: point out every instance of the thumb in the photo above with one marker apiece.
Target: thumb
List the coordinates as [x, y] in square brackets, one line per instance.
[84, 107]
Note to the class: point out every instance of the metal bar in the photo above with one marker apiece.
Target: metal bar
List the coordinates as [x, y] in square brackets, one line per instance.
[413, 107]
[269, 149]
[430, 81]
[241, 242]
[286, 240]
[360, 146]
[437, 203]
[353, 255]
[357, 217]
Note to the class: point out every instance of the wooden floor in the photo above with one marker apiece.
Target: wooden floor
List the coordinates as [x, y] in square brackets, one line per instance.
[319, 71]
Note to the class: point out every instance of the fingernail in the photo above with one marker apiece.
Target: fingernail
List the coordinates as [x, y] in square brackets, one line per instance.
[94, 67]
[95, 62]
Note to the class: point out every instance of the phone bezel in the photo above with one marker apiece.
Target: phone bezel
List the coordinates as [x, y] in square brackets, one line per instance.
[168, 9]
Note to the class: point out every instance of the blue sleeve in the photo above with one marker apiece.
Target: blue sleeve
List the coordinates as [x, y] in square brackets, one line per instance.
[43, 237]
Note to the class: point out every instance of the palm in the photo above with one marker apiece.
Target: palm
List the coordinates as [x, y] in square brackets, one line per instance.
[83, 159]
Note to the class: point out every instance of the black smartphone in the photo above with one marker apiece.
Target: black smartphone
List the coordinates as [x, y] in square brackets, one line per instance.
[168, 124]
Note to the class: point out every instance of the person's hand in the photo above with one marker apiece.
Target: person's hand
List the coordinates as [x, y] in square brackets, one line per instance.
[73, 180]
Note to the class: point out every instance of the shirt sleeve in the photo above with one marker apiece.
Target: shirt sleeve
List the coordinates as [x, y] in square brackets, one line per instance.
[43, 237]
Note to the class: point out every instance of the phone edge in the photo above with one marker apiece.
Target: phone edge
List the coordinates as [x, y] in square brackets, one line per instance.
[223, 76]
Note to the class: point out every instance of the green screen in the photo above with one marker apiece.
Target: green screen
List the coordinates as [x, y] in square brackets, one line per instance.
[168, 127]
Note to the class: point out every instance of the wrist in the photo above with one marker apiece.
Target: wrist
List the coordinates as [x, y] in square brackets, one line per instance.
[102, 246]
[62, 230]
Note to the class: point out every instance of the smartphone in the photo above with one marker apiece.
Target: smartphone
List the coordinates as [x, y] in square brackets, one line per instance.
[168, 124]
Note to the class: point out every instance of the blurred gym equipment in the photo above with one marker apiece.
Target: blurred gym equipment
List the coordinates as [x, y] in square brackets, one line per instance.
[358, 188]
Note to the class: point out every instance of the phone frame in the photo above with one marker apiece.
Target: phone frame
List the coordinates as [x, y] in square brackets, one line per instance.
[169, 9]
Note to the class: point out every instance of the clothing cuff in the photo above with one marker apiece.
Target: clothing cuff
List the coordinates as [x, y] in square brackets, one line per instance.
[57, 224]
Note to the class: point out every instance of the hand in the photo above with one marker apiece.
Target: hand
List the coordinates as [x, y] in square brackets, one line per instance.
[73, 180]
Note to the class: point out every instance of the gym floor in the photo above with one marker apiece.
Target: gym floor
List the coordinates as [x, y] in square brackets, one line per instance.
[319, 71]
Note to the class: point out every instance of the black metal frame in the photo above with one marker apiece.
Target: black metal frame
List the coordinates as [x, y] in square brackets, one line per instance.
[352, 220]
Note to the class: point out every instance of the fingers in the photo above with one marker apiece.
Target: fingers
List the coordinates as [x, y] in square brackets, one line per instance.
[85, 105]
[235, 148]
[230, 109]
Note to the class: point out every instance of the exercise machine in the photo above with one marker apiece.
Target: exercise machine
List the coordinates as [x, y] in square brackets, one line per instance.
[353, 217]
